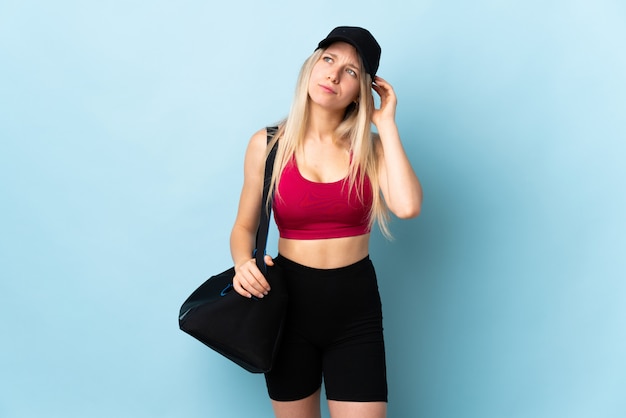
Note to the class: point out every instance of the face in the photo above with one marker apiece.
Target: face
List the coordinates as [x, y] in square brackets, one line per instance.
[334, 82]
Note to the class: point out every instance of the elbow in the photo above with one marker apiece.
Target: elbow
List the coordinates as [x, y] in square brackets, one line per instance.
[408, 211]
[409, 206]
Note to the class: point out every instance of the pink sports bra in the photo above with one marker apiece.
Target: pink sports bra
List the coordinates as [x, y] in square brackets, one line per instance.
[305, 209]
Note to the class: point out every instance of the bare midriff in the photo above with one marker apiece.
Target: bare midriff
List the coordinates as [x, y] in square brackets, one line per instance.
[325, 253]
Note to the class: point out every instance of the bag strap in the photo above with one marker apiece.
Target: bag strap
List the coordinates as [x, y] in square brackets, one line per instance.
[266, 210]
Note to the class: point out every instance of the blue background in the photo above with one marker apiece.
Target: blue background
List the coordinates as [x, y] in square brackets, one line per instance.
[123, 126]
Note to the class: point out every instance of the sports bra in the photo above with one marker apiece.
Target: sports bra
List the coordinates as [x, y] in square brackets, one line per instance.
[306, 210]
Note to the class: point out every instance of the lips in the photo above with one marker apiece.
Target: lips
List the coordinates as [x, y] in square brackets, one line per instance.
[327, 89]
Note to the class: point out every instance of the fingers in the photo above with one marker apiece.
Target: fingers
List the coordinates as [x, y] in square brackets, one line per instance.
[388, 101]
[249, 281]
[382, 87]
[379, 81]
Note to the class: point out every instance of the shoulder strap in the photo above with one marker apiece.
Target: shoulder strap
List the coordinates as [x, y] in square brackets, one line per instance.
[264, 223]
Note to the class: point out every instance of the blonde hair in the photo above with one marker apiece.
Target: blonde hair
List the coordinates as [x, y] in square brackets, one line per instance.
[355, 128]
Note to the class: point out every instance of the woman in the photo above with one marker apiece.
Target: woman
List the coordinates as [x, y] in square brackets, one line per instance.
[333, 178]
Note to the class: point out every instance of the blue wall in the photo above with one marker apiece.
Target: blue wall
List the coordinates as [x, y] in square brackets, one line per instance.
[123, 126]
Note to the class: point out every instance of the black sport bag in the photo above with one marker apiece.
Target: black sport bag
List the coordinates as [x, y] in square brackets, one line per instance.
[246, 331]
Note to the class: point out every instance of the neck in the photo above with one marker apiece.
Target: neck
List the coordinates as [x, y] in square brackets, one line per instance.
[323, 122]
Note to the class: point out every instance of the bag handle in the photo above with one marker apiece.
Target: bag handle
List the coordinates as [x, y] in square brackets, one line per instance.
[266, 210]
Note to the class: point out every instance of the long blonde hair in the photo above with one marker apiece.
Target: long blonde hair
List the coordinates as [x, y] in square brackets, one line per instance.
[355, 128]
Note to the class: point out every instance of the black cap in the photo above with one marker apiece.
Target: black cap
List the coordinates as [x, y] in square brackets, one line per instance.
[362, 40]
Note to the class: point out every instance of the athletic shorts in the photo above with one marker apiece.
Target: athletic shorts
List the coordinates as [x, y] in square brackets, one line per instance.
[334, 331]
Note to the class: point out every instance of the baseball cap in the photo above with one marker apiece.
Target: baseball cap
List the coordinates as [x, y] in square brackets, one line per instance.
[362, 40]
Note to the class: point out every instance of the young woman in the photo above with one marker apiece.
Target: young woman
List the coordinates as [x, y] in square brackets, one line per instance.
[333, 178]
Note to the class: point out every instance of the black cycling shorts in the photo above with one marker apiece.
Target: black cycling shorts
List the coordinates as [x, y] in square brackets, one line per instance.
[334, 331]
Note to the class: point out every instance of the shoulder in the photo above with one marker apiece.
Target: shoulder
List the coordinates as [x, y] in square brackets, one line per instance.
[257, 150]
[258, 139]
[258, 143]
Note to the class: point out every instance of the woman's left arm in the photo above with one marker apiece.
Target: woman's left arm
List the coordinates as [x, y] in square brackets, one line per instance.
[398, 182]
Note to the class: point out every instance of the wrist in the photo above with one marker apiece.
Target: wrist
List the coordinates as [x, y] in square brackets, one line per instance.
[386, 125]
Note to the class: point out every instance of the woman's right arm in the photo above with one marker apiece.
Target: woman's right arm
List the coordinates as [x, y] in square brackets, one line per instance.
[248, 280]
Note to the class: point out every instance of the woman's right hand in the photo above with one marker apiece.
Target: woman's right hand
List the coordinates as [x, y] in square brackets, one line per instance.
[249, 281]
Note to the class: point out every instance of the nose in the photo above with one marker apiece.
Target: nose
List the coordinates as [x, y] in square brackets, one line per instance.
[332, 77]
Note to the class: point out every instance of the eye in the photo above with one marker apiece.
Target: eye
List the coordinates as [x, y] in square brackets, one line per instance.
[327, 58]
[351, 72]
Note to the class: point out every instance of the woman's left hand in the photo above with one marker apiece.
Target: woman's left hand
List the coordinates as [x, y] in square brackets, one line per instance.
[388, 102]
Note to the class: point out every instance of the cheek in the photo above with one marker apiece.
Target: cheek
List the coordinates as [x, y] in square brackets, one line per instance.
[316, 71]
[355, 89]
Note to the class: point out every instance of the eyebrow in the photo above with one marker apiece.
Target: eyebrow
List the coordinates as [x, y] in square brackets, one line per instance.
[350, 63]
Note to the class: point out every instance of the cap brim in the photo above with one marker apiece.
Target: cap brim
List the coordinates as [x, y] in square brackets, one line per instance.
[338, 38]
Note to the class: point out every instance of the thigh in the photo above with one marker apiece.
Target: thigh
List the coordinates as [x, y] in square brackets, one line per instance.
[308, 407]
[339, 409]
[297, 370]
[356, 371]
[354, 363]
